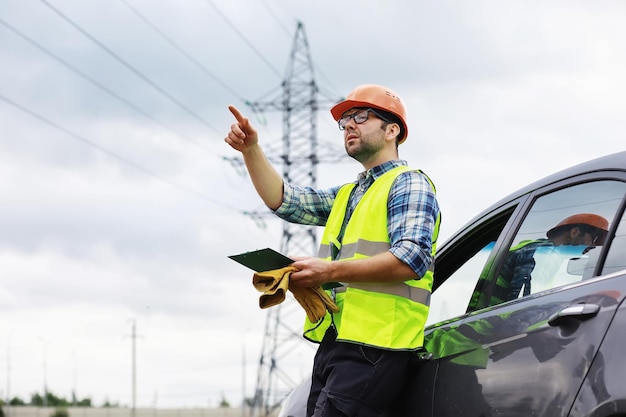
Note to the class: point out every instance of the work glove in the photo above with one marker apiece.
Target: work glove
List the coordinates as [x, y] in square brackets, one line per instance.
[315, 301]
[275, 283]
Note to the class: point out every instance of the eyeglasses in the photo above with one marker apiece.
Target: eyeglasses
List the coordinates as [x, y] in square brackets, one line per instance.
[359, 117]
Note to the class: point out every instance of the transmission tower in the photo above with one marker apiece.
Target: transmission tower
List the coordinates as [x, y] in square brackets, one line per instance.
[299, 102]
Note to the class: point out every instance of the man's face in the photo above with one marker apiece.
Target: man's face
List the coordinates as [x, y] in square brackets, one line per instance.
[581, 236]
[363, 140]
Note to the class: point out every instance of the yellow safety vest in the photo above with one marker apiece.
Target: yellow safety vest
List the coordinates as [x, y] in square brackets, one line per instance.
[389, 316]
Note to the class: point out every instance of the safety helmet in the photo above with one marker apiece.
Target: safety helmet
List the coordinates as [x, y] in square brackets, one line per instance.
[599, 223]
[376, 97]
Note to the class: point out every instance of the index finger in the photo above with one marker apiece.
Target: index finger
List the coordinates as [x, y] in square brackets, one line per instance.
[237, 114]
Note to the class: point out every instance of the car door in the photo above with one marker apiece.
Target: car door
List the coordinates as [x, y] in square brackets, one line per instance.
[526, 355]
[462, 262]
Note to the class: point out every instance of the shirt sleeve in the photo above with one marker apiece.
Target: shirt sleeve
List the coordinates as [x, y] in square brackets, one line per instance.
[413, 214]
[306, 205]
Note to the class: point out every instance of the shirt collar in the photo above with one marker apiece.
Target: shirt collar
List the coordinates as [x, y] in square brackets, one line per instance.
[375, 172]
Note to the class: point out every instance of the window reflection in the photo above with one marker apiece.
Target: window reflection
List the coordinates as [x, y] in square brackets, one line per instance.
[559, 240]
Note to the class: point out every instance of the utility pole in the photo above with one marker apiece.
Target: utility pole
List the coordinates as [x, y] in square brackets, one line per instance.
[133, 336]
[45, 377]
[75, 379]
[299, 103]
[8, 401]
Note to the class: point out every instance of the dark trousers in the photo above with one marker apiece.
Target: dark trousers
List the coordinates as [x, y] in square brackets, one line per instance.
[351, 380]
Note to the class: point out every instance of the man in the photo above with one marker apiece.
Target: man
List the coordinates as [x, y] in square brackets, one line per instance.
[375, 257]
[586, 230]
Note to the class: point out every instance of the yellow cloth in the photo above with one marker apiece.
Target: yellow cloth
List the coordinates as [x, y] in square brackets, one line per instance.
[274, 285]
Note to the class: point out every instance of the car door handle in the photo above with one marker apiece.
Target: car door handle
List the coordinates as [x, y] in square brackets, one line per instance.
[578, 312]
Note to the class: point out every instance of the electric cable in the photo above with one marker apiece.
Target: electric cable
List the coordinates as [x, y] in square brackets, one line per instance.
[280, 23]
[269, 64]
[131, 68]
[115, 155]
[98, 84]
[182, 51]
[317, 68]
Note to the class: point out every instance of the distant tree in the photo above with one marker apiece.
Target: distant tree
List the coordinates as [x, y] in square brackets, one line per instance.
[36, 400]
[85, 402]
[17, 401]
[224, 402]
[53, 401]
[108, 404]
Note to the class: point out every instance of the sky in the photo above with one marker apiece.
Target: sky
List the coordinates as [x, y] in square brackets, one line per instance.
[118, 203]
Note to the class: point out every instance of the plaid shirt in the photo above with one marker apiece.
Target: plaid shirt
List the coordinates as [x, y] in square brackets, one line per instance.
[412, 211]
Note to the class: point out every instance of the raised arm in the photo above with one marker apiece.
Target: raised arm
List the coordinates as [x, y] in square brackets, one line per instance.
[266, 180]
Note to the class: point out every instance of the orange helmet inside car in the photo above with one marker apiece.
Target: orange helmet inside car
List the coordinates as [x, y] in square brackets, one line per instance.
[376, 97]
[599, 223]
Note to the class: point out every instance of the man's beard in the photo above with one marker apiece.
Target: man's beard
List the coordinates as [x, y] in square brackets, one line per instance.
[366, 149]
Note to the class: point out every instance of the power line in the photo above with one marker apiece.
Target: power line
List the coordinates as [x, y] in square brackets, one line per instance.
[280, 23]
[269, 64]
[288, 32]
[114, 155]
[98, 84]
[131, 68]
[182, 51]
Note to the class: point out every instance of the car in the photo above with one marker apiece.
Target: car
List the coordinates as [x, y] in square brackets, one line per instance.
[552, 343]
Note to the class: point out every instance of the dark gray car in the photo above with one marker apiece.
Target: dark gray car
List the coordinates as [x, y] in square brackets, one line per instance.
[527, 315]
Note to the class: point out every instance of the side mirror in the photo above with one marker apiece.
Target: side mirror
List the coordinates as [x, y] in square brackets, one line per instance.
[577, 266]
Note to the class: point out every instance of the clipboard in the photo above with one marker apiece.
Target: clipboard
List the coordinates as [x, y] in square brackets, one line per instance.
[262, 259]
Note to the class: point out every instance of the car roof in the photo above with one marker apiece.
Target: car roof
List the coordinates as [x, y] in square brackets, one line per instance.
[612, 162]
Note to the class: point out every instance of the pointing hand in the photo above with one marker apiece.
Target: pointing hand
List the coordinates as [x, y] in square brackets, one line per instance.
[242, 135]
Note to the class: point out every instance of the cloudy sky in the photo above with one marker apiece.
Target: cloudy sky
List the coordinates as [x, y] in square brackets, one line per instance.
[118, 206]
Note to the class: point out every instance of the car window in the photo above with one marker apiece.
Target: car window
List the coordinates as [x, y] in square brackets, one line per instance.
[456, 271]
[559, 240]
[452, 296]
[470, 275]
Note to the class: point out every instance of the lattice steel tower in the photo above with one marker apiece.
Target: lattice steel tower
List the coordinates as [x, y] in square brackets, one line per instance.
[299, 102]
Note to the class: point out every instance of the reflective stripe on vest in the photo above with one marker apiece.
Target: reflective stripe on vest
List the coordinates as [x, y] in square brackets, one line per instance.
[362, 247]
[415, 294]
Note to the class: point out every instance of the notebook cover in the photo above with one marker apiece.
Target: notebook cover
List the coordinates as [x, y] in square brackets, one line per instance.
[262, 260]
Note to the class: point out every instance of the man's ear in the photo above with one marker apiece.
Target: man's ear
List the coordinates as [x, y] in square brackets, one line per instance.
[392, 130]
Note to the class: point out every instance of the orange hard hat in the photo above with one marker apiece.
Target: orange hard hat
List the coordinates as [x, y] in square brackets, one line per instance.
[583, 219]
[376, 97]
